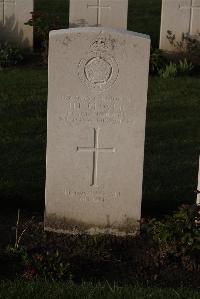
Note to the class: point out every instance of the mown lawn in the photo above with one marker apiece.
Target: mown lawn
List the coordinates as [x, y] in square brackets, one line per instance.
[172, 140]
[172, 143]
[45, 290]
[23, 98]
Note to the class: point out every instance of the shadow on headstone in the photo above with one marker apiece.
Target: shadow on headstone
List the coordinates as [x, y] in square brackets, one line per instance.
[12, 34]
[80, 23]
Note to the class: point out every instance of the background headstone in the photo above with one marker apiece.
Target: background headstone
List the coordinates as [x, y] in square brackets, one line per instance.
[13, 15]
[179, 16]
[98, 13]
[98, 82]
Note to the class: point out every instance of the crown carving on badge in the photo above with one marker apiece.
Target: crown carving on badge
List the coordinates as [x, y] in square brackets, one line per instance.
[103, 43]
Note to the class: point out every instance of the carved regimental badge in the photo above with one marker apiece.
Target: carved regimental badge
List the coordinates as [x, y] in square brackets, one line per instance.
[98, 70]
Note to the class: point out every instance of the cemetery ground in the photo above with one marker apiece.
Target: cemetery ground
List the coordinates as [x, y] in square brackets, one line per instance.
[153, 263]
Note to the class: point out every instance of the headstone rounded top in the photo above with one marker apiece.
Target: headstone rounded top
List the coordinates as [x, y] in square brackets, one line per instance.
[101, 30]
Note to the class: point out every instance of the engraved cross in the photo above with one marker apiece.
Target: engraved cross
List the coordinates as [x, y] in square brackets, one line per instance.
[192, 7]
[95, 150]
[3, 4]
[98, 7]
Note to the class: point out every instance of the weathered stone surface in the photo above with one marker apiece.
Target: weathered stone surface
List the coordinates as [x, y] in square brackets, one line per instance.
[13, 15]
[179, 16]
[98, 82]
[98, 13]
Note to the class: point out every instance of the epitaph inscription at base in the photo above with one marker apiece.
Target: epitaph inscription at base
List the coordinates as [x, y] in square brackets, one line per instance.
[98, 82]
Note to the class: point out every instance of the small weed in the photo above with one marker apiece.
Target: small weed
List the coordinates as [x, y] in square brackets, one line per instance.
[49, 265]
[170, 71]
[185, 67]
[179, 233]
[157, 61]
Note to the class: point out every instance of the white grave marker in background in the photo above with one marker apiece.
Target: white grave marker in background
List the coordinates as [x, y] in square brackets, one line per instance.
[98, 7]
[13, 15]
[192, 7]
[179, 16]
[3, 6]
[98, 80]
[98, 13]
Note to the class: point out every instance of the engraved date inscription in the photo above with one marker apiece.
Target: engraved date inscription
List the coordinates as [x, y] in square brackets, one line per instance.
[102, 110]
[92, 195]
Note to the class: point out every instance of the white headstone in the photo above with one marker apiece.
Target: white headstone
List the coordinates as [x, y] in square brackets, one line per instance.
[13, 15]
[198, 188]
[179, 16]
[98, 13]
[98, 82]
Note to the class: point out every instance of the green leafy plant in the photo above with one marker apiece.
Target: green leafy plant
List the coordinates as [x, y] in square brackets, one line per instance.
[13, 262]
[188, 47]
[9, 55]
[179, 233]
[170, 71]
[185, 67]
[49, 265]
[157, 60]
[159, 64]
[42, 24]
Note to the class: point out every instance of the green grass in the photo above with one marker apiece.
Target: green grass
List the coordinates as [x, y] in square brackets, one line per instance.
[172, 143]
[172, 140]
[45, 290]
[23, 97]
